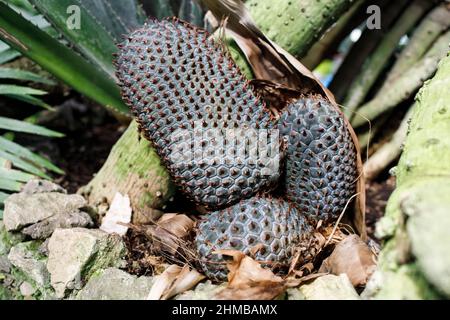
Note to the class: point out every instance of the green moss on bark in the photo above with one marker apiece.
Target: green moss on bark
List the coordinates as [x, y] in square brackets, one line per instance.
[132, 168]
[296, 25]
[416, 226]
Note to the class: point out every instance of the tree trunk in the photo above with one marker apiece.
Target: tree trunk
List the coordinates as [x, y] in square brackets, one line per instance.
[330, 41]
[296, 25]
[415, 259]
[133, 167]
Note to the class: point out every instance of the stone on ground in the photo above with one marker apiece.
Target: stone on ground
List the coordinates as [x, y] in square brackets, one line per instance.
[23, 209]
[40, 186]
[24, 256]
[45, 228]
[8, 239]
[119, 213]
[115, 284]
[203, 291]
[27, 289]
[328, 287]
[75, 254]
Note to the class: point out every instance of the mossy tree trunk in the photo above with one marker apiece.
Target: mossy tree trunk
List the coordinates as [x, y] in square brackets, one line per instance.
[295, 25]
[415, 260]
[133, 168]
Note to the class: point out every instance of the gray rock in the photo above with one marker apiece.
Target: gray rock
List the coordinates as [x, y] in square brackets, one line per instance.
[5, 265]
[373, 286]
[8, 239]
[5, 293]
[25, 257]
[45, 228]
[27, 289]
[40, 186]
[23, 209]
[329, 287]
[43, 248]
[203, 291]
[115, 284]
[295, 294]
[405, 282]
[75, 254]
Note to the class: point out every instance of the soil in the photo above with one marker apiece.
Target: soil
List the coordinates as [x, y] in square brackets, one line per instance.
[90, 132]
[85, 151]
[377, 194]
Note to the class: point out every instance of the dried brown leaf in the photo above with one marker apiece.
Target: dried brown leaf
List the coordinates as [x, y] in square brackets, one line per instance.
[166, 216]
[248, 280]
[179, 225]
[293, 282]
[268, 61]
[352, 257]
[168, 235]
[174, 280]
[186, 280]
[163, 282]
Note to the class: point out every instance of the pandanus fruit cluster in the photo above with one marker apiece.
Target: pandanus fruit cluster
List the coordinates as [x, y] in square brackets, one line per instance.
[263, 199]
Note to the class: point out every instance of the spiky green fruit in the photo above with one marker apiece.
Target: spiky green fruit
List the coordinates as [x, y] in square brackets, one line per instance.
[269, 229]
[192, 102]
[321, 167]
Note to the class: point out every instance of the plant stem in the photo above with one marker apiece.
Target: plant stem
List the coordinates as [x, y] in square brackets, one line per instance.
[389, 151]
[431, 27]
[296, 25]
[373, 67]
[132, 168]
[406, 85]
[333, 37]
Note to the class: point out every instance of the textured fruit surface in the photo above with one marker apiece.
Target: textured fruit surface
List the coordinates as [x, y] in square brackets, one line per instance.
[272, 225]
[320, 163]
[187, 95]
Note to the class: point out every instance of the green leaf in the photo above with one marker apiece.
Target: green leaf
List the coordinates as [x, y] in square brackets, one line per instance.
[8, 55]
[98, 49]
[31, 100]
[59, 60]
[21, 126]
[191, 12]
[13, 89]
[23, 5]
[22, 164]
[3, 196]
[117, 17]
[161, 9]
[10, 185]
[9, 73]
[23, 152]
[16, 175]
